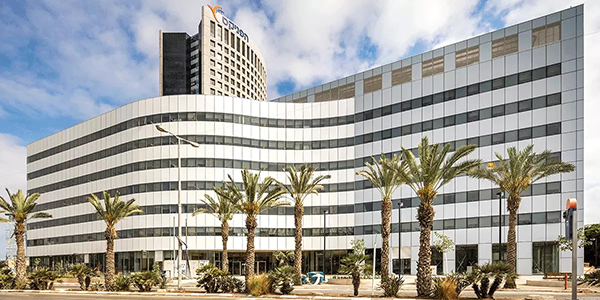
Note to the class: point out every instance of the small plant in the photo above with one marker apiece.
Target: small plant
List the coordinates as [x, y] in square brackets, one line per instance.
[96, 286]
[450, 286]
[391, 285]
[209, 278]
[230, 284]
[259, 285]
[213, 280]
[81, 272]
[122, 283]
[42, 279]
[7, 278]
[145, 281]
[284, 258]
[481, 277]
[592, 278]
[284, 278]
[355, 263]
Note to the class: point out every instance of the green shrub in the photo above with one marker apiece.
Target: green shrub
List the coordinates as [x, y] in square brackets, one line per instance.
[230, 284]
[81, 272]
[592, 278]
[391, 285]
[96, 286]
[450, 286]
[145, 281]
[284, 278]
[259, 285]
[482, 276]
[122, 283]
[7, 278]
[214, 280]
[42, 279]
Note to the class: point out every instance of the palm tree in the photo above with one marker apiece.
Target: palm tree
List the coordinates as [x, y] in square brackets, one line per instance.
[513, 176]
[301, 185]
[256, 197]
[425, 178]
[19, 211]
[355, 264]
[113, 211]
[223, 209]
[382, 174]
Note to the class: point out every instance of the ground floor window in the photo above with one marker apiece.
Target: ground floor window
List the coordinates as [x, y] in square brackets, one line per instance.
[437, 259]
[545, 258]
[496, 252]
[401, 266]
[466, 257]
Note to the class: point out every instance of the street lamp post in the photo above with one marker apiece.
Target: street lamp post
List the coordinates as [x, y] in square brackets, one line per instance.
[325, 212]
[400, 205]
[499, 194]
[179, 139]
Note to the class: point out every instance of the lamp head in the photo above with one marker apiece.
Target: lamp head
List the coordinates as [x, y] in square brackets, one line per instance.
[160, 129]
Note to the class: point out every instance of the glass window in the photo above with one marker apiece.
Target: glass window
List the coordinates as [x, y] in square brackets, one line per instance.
[538, 218]
[525, 105]
[553, 187]
[511, 80]
[498, 83]
[539, 102]
[473, 222]
[461, 197]
[448, 224]
[553, 99]
[553, 217]
[460, 224]
[539, 131]
[524, 219]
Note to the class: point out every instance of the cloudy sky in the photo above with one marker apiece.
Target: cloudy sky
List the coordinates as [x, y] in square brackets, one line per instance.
[62, 62]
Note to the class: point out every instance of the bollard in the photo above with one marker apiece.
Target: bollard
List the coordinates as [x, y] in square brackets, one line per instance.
[566, 281]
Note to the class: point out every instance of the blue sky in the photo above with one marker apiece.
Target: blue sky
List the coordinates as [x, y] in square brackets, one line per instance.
[62, 62]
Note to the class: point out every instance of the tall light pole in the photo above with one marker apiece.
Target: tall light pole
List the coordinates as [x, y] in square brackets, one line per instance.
[325, 212]
[179, 139]
[400, 205]
[499, 194]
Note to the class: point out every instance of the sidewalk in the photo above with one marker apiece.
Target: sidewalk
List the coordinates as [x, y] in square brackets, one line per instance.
[332, 291]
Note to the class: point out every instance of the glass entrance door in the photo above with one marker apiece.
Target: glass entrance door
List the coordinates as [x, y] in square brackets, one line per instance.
[466, 257]
[261, 267]
[545, 258]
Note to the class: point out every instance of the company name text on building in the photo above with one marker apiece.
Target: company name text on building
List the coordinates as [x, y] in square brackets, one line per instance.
[232, 27]
[227, 23]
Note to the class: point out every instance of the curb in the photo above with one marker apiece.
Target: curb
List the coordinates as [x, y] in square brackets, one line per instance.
[241, 296]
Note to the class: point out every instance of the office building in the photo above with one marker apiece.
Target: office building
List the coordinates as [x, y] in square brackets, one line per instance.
[515, 86]
[221, 59]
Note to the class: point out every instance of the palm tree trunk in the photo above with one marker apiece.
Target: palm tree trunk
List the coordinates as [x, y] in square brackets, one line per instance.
[298, 213]
[386, 229]
[110, 259]
[425, 215]
[511, 245]
[225, 237]
[251, 226]
[21, 265]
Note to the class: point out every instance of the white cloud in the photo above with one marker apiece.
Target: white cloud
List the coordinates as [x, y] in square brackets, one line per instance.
[13, 173]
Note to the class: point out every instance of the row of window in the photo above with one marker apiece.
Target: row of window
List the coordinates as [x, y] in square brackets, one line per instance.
[224, 35]
[446, 198]
[468, 56]
[473, 89]
[462, 223]
[462, 118]
[481, 141]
